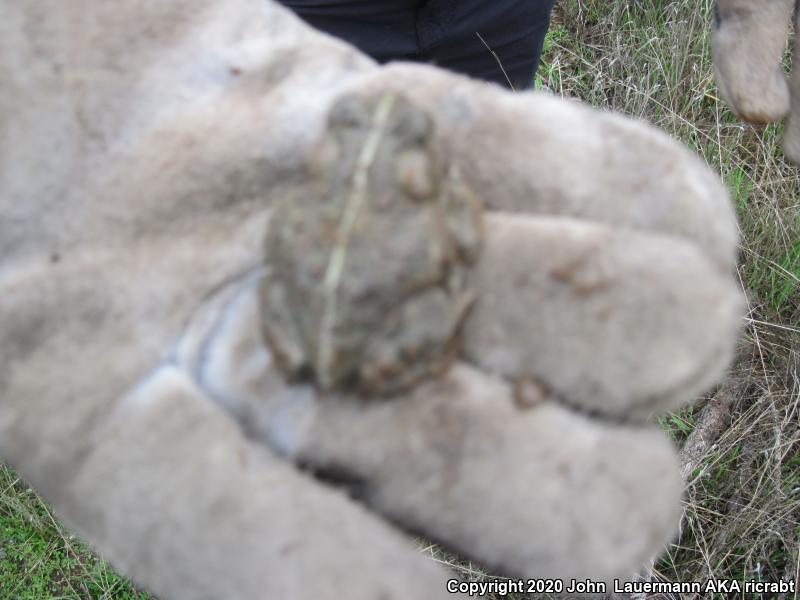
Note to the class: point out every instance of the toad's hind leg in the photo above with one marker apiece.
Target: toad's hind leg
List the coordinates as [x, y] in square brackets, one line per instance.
[419, 339]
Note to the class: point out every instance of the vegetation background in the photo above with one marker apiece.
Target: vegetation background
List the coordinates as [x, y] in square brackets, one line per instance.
[651, 60]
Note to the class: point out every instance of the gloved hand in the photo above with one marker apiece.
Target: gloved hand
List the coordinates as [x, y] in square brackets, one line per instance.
[147, 149]
[749, 42]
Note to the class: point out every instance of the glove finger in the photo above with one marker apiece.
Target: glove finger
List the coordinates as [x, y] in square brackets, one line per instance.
[749, 41]
[204, 513]
[537, 154]
[540, 492]
[609, 320]
[615, 321]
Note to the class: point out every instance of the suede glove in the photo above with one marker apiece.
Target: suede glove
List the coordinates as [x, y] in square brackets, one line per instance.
[144, 146]
[749, 43]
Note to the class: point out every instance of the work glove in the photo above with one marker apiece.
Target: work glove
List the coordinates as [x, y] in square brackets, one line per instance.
[749, 43]
[147, 151]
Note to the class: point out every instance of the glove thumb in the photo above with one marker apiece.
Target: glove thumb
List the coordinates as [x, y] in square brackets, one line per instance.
[748, 45]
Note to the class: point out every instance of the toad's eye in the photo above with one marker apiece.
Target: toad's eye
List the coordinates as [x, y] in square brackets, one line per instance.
[415, 174]
[414, 127]
[349, 112]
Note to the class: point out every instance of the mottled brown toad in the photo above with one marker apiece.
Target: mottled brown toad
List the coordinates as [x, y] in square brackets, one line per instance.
[365, 285]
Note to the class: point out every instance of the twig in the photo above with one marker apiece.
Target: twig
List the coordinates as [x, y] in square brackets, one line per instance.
[497, 58]
[711, 424]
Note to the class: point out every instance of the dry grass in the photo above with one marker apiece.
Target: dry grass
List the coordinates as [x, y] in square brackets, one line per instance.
[650, 60]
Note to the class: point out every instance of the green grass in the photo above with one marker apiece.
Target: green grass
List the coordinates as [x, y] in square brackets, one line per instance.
[40, 560]
[650, 60]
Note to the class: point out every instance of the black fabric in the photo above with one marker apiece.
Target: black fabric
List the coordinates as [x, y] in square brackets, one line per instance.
[495, 40]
